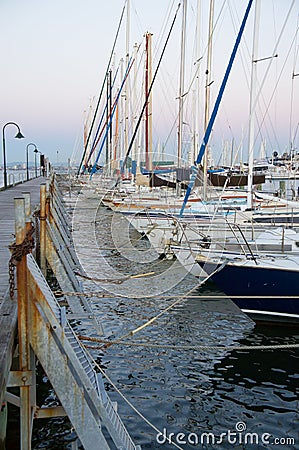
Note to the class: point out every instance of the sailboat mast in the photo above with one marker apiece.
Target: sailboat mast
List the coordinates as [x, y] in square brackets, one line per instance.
[111, 126]
[197, 88]
[134, 115]
[100, 96]
[89, 156]
[85, 133]
[148, 110]
[253, 101]
[149, 90]
[208, 94]
[182, 82]
[126, 93]
[108, 111]
[121, 122]
[116, 138]
[216, 106]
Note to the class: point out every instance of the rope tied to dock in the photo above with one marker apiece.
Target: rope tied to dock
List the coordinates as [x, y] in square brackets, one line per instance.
[105, 343]
[17, 252]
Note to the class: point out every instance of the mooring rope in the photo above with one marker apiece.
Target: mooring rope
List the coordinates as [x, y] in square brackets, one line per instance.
[113, 280]
[106, 343]
[172, 305]
[161, 296]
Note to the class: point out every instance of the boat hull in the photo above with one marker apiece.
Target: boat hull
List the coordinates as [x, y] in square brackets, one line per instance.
[275, 290]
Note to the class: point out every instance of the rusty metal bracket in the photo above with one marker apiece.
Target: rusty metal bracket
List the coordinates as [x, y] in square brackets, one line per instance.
[49, 412]
[19, 378]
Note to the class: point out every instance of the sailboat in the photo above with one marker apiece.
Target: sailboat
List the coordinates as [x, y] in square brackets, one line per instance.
[263, 282]
[141, 213]
[261, 276]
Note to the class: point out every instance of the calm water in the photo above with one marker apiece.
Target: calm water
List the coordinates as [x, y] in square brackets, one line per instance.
[189, 391]
[193, 392]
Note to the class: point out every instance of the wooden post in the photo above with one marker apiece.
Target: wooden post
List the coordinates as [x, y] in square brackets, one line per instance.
[43, 217]
[27, 198]
[23, 310]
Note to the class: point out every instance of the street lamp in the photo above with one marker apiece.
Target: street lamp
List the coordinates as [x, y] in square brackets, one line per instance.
[17, 136]
[27, 168]
[35, 166]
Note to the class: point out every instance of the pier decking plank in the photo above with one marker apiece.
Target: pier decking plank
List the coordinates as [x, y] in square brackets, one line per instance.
[8, 307]
[8, 327]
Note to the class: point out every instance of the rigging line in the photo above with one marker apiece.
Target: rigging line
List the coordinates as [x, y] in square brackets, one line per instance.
[102, 90]
[87, 120]
[196, 74]
[128, 69]
[107, 123]
[274, 53]
[215, 109]
[128, 401]
[163, 28]
[147, 96]
[135, 106]
[296, 48]
[275, 87]
[215, 26]
[244, 55]
[210, 38]
[95, 141]
[111, 117]
[206, 47]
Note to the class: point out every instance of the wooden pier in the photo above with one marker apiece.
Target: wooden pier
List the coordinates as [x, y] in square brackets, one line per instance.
[8, 308]
[30, 312]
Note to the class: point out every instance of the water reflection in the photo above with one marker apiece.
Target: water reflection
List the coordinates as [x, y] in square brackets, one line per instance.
[192, 391]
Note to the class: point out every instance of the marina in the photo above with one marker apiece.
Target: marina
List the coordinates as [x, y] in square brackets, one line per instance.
[207, 321]
[149, 272]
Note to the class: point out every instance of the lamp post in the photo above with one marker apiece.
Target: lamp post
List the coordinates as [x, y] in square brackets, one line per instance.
[27, 168]
[17, 136]
[35, 166]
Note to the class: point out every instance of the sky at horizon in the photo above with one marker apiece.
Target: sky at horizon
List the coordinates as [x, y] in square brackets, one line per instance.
[54, 57]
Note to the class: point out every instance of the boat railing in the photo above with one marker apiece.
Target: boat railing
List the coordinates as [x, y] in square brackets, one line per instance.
[222, 235]
[237, 226]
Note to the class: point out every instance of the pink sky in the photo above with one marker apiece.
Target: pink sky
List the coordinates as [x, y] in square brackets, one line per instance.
[54, 56]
